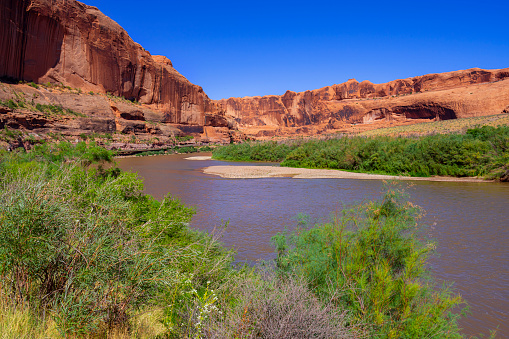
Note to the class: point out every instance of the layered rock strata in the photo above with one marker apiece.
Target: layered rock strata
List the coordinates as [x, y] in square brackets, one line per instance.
[70, 43]
[47, 112]
[443, 96]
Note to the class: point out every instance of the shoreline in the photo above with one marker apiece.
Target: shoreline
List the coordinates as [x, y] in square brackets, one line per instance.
[257, 172]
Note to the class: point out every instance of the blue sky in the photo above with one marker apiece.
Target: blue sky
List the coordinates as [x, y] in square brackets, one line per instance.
[247, 48]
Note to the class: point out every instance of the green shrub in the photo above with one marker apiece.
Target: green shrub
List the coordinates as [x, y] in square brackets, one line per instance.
[270, 151]
[206, 149]
[371, 262]
[87, 246]
[187, 149]
[184, 138]
[480, 152]
[11, 104]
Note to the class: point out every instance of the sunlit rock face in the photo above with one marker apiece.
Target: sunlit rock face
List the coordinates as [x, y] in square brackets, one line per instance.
[65, 41]
[459, 94]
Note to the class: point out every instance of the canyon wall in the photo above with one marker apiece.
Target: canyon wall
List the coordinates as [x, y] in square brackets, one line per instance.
[65, 41]
[451, 95]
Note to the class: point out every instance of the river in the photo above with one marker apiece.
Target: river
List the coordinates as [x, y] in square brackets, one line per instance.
[468, 221]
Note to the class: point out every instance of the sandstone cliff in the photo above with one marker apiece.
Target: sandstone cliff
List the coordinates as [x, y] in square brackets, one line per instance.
[69, 43]
[451, 95]
[65, 41]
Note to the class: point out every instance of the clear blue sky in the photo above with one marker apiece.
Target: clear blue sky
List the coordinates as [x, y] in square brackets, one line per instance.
[248, 48]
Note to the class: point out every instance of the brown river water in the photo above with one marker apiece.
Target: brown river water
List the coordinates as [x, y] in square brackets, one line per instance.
[468, 221]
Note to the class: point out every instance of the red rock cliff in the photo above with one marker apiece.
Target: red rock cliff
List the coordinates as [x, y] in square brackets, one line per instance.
[451, 95]
[69, 42]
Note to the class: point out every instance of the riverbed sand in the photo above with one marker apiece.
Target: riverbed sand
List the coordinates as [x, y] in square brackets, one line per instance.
[203, 157]
[253, 172]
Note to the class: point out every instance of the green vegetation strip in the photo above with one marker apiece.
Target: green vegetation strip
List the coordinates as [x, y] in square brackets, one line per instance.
[482, 151]
[22, 103]
[84, 253]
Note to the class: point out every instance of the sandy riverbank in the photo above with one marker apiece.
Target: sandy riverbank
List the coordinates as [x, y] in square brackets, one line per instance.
[200, 158]
[253, 172]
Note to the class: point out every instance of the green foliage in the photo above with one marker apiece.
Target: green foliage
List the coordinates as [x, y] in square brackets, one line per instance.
[8, 134]
[20, 102]
[480, 152]
[184, 138]
[10, 103]
[34, 85]
[82, 246]
[94, 135]
[55, 154]
[57, 109]
[270, 151]
[206, 149]
[85, 244]
[370, 260]
[187, 149]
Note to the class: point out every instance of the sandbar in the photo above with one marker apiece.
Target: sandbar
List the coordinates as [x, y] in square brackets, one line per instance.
[201, 157]
[254, 172]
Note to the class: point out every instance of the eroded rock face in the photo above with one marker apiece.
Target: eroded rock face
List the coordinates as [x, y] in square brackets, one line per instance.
[65, 41]
[460, 94]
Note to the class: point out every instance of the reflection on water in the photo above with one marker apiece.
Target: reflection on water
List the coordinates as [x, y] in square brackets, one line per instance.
[469, 221]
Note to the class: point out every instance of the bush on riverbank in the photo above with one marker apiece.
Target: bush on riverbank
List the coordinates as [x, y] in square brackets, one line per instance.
[84, 253]
[370, 261]
[480, 152]
[85, 250]
[255, 151]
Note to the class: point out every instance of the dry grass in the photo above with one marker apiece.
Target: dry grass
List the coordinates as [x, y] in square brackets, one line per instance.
[441, 127]
[18, 322]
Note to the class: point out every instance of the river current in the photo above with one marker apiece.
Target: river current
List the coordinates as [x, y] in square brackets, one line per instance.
[468, 221]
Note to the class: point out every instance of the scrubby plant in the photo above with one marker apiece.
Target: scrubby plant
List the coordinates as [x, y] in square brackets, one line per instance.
[268, 306]
[371, 261]
[184, 138]
[206, 149]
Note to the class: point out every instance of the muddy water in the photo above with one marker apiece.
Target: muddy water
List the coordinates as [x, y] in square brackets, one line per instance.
[469, 222]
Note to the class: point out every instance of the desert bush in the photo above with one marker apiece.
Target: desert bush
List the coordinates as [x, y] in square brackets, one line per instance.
[370, 261]
[269, 307]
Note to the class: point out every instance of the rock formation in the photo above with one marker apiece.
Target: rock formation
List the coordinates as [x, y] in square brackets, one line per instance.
[67, 42]
[443, 96]
[102, 74]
